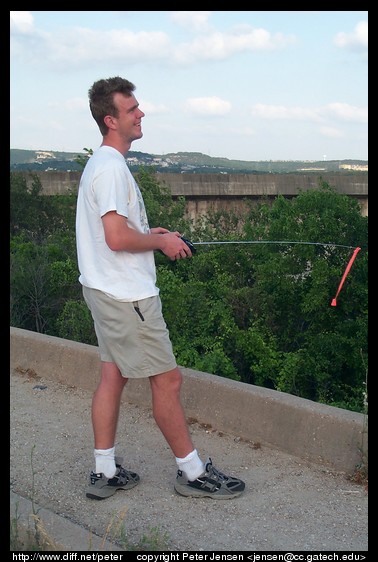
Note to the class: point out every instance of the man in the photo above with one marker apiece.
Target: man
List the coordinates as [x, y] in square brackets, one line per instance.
[115, 248]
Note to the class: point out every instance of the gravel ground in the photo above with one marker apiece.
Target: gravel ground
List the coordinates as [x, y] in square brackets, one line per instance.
[288, 504]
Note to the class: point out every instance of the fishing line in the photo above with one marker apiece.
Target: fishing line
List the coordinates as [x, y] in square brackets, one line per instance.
[268, 242]
[345, 274]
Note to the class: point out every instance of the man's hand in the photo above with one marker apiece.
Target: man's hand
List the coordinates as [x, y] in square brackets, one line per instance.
[174, 247]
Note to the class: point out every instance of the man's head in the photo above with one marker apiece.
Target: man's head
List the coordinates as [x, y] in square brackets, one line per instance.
[101, 98]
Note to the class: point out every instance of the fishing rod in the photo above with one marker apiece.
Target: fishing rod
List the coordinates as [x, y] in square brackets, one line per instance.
[193, 249]
[211, 242]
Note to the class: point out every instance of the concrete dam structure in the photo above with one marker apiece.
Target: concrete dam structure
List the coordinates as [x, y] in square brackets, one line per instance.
[205, 192]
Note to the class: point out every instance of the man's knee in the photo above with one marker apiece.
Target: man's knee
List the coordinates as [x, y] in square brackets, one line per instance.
[170, 381]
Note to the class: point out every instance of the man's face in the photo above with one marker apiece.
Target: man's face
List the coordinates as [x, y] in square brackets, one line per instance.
[129, 120]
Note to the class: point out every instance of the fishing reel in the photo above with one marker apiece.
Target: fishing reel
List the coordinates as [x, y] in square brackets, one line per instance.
[189, 244]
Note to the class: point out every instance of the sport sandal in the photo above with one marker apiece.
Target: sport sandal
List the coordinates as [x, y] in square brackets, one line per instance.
[101, 487]
[211, 484]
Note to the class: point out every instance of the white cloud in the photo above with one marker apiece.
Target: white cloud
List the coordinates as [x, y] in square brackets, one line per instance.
[347, 112]
[207, 106]
[331, 132]
[75, 47]
[73, 104]
[78, 46]
[341, 111]
[21, 22]
[152, 108]
[192, 21]
[219, 46]
[283, 112]
[358, 39]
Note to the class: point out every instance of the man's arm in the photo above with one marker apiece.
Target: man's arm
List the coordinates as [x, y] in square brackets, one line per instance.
[120, 237]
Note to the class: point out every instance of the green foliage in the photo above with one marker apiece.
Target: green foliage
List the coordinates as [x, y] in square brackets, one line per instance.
[26, 206]
[259, 313]
[321, 345]
[206, 327]
[42, 277]
[82, 159]
[36, 216]
[161, 209]
[75, 323]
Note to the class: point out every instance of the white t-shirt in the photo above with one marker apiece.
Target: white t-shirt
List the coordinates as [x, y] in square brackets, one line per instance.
[108, 185]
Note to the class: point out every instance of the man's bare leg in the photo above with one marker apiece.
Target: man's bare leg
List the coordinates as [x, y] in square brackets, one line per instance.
[106, 404]
[169, 413]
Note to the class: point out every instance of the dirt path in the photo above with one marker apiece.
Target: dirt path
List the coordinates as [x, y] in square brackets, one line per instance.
[288, 505]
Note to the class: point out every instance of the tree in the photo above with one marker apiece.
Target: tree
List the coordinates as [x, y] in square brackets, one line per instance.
[257, 312]
[324, 348]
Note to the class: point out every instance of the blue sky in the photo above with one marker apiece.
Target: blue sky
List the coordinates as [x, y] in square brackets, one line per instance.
[270, 85]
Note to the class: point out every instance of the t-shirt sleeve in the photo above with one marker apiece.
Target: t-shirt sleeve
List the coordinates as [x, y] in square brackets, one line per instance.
[112, 191]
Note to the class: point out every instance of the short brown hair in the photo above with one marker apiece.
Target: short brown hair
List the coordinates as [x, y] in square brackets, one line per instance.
[101, 96]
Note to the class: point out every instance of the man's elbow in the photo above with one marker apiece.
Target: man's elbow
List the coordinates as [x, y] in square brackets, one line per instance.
[114, 243]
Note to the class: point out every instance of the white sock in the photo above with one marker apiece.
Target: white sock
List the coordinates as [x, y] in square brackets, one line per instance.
[191, 465]
[105, 461]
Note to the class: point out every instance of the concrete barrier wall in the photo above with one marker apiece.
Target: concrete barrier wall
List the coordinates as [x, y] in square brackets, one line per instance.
[223, 185]
[205, 192]
[316, 433]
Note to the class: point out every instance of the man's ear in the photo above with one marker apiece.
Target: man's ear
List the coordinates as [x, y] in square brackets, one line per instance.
[110, 121]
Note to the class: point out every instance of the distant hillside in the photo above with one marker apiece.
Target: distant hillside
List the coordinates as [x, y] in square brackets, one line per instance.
[181, 162]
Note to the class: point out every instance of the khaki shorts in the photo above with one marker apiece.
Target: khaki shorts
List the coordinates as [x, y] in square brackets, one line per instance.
[137, 342]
